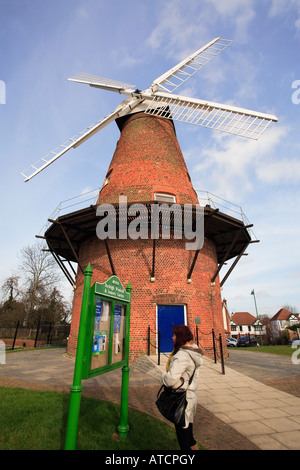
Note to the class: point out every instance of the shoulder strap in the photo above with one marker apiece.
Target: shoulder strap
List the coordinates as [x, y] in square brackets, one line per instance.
[192, 376]
[163, 387]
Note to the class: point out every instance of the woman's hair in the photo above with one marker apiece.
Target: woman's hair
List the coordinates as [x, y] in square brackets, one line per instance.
[183, 335]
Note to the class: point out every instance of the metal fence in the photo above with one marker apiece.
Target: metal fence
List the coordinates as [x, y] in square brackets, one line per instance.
[44, 334]
[218, 348]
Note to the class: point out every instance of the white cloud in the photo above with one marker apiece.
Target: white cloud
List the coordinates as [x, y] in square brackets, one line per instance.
[240, 13]
[230, 164]
[286, 8]
[125, 59]
[182, 26]
[277, 6]
[174, 30]
[82, 13]
[284, 171]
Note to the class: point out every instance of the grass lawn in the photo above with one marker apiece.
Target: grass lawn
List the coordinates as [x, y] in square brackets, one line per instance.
[34, 420]
[285, 350]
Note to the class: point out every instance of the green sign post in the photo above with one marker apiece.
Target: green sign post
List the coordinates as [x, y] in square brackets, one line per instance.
[102, 346]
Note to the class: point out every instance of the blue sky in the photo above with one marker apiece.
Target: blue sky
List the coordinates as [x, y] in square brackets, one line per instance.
[45, 42]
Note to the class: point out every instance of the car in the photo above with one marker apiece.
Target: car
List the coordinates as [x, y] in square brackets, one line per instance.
[246, 341]
[233, 339]
[231, 342]
[295, 342]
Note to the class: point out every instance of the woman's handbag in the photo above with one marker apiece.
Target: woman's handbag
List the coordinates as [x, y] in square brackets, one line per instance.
[172, 402]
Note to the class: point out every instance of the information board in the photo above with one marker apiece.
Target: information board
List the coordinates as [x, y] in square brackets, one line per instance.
[103, 345]
[108, 328]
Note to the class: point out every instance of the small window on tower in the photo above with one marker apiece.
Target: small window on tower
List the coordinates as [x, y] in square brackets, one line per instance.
[164, 197]
[106, 181]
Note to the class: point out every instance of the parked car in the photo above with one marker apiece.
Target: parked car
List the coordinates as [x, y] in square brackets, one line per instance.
[231, 342]
[233, 339]
[295, 342]
[246, 341]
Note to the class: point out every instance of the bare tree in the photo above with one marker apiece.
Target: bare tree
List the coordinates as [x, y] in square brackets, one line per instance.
[290, 308]
[12, 309]
[10, 287]
[41, 274]
[39, 298]
[38, 266]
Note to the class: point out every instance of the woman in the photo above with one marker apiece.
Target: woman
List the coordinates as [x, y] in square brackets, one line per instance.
[183, 361]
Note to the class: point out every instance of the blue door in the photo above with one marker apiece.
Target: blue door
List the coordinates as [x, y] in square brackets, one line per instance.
[168, 316]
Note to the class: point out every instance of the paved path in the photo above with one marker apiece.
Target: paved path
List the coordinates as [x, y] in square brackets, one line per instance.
[235, 412]
[277, 371]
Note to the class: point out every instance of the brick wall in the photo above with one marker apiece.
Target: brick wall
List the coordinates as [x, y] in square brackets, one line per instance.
[22, 343]
[133, 262]
[147, 159]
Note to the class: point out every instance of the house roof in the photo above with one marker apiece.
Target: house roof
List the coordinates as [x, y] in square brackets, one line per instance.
[264, 320]
[243, 318]
[283, 314]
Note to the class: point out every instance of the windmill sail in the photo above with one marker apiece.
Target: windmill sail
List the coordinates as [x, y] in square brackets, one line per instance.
[225, 118]
[172, 79]
[155, 101]
[100, 82]
[78, 139]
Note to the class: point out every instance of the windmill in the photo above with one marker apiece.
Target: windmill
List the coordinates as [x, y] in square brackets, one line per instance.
[170, 284]
[159, 100]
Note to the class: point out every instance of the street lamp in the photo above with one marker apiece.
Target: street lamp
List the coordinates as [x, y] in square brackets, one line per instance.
[253, 293]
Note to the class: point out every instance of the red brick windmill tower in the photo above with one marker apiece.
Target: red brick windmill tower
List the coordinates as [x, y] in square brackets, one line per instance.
[171, 284]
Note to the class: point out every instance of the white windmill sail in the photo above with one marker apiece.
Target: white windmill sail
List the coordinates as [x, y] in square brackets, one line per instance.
[220, 117]
[176, 76]
[77, 140]
[101, 82]
[156, 101]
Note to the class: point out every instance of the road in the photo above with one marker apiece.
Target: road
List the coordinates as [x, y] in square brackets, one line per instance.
[275, 370]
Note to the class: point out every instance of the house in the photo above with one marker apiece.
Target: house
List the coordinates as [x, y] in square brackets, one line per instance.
[243, 323]
[282, 320]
